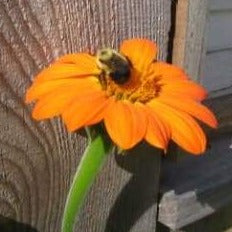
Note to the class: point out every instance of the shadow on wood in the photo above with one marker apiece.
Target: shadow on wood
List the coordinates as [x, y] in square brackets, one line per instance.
[10, 225]
[140, 193]
[172, 30]
[197, 187]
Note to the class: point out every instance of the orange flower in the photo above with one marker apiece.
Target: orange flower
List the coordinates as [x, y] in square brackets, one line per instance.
[157, 102]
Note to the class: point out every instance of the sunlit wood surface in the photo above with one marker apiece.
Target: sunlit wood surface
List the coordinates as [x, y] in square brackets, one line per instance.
[38, 159]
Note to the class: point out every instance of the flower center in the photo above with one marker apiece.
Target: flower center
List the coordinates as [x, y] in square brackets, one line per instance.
[140, 87]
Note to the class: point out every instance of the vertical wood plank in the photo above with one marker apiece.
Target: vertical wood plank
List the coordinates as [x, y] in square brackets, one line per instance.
[38, 159]
[189, 41]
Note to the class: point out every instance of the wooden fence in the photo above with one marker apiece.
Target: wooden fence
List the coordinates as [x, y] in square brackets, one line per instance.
[38, 160]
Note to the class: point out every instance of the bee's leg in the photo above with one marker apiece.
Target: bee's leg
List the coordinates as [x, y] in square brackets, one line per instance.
[128, 60]
[102, 79]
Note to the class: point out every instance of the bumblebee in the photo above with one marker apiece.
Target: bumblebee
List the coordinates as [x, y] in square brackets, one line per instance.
[114, 65]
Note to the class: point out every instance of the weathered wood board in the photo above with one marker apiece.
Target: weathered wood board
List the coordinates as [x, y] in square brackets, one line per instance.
[202, 45]
[195, 188]
[38, 160]
[217, 222]
[189, 35]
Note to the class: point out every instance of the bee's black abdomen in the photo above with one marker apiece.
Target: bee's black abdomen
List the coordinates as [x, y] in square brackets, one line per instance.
[121, 76]
[115, 65]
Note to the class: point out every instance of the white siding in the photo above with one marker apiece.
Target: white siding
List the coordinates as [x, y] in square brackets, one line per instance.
[220, 5]
[217, 69]
[220, 30]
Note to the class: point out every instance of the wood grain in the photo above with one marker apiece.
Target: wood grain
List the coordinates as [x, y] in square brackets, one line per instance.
[191, 193]
[202, 43]
[38, 159]
[189, 35]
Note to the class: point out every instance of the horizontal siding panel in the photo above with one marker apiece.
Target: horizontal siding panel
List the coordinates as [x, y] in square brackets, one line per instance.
[217, 73]
[220, 30]
[220, 4]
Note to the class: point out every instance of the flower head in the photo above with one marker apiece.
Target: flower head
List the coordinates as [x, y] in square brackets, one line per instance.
[156, 102]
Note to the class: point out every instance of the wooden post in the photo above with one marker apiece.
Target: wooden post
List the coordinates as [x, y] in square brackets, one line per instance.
[38, 160]
[189, 44]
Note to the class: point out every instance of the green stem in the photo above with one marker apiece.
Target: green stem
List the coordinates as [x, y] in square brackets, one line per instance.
[89, 166]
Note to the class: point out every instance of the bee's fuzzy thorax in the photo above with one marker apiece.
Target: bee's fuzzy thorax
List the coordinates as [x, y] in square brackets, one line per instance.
[114, 65]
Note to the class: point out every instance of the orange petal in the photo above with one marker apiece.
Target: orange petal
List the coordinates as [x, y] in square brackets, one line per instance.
[38, 90]
[86, 60]
[168, 72]
[85, 110]
[158, 133]
[53, 104]
[125, 123]
[140, 52]
[184, 89]
[191, 107]
[99, 116]
[69, 66]
[184, 129]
